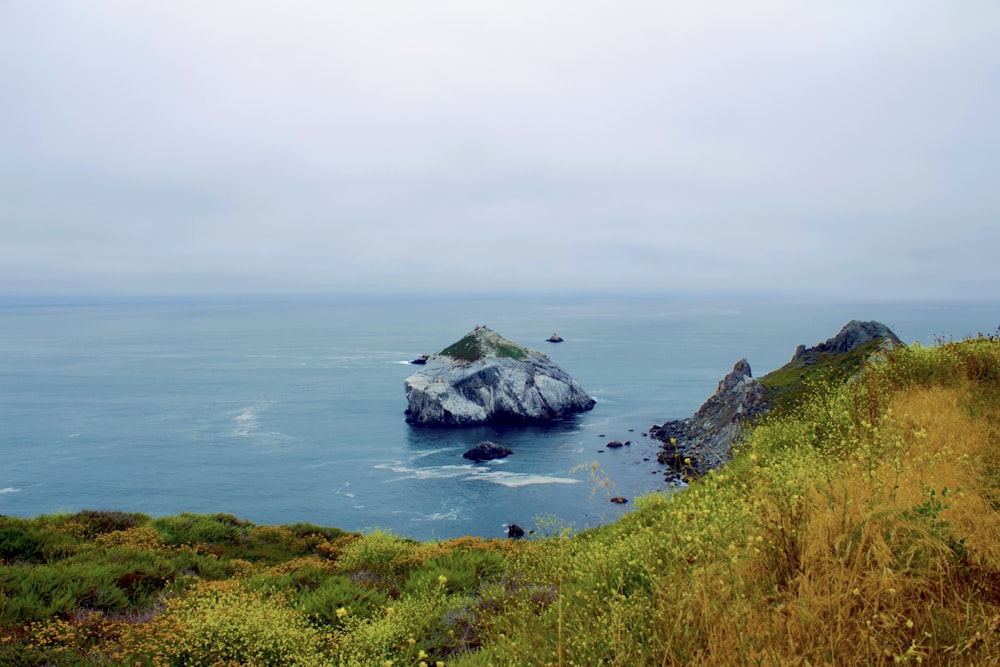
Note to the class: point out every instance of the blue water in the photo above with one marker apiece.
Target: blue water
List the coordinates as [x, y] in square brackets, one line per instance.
[285, 411]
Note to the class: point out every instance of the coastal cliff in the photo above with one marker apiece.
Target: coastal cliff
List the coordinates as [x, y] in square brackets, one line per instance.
[704, 440]
[485, 378]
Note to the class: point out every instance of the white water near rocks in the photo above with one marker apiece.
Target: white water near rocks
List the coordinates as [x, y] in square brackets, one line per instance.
[285, 411]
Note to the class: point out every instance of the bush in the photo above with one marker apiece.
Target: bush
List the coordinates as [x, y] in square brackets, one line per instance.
[220, 623]
[379, 553]
[192, 529]
[339, 594]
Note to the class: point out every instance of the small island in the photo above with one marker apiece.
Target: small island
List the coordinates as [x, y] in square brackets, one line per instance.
[485, 378]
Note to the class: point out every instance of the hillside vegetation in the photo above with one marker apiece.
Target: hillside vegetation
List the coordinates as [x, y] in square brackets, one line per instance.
[859, 527]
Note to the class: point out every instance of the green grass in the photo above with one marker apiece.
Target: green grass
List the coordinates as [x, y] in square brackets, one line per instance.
[859, 525]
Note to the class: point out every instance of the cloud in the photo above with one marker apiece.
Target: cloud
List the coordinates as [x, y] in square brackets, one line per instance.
[822, 148]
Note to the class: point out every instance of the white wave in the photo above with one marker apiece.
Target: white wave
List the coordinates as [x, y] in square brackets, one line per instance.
[432, 452]
[450, 515]
[512, 479]
[246, 422]
[9, 489]
[474, 473]
[73, 435]
[430, 472]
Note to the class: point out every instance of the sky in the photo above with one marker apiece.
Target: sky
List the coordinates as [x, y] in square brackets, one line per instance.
[837, 149]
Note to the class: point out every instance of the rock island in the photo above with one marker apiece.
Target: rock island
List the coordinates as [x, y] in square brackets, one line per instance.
[485, 378]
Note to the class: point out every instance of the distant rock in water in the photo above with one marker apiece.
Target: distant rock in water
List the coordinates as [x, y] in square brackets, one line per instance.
[704, 440]
[554, 338]
[485, 378]
[487, 451]
[422, 359]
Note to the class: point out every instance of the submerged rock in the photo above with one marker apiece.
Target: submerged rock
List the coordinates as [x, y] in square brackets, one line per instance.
[485, 378]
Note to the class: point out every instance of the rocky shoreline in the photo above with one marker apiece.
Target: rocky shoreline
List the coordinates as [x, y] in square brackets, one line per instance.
[485, 378]
[704, 441]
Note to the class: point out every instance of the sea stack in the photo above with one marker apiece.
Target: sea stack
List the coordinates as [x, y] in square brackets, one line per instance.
[484, 378]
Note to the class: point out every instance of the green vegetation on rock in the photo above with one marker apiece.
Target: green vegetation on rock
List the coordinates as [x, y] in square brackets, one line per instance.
[791, 384]
[483, 343]
[858, 526]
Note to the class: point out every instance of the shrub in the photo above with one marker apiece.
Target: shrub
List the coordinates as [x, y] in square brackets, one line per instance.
[379, 553]
[191, 529]
[339, 594]
[219, 623]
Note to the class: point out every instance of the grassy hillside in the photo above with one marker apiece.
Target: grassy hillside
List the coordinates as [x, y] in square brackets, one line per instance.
[860, 527]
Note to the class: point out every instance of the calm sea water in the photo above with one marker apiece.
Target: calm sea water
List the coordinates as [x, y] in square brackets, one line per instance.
[280, 412]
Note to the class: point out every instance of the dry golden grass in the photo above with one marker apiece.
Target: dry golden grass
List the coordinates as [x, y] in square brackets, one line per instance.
[890, 554]
[889, 564]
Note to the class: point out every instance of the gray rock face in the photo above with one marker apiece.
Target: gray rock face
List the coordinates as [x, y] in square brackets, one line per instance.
[485, 378]
[702, 441]
[853, 334]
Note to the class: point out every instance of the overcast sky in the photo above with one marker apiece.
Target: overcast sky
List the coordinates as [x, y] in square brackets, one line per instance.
[839, 148]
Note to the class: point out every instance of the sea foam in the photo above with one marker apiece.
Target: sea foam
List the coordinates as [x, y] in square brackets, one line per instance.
[474, 473]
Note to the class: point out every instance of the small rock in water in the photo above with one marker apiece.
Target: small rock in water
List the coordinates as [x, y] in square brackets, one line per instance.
[619, 500]
[487, 451]
[514, 531]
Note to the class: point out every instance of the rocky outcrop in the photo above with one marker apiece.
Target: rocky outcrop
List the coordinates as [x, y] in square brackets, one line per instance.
[485, 378]
[853, 335]
[515, 532]
[487, 451]
[704, 441]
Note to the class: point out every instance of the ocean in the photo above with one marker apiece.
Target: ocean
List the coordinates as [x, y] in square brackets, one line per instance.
[284, 411]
